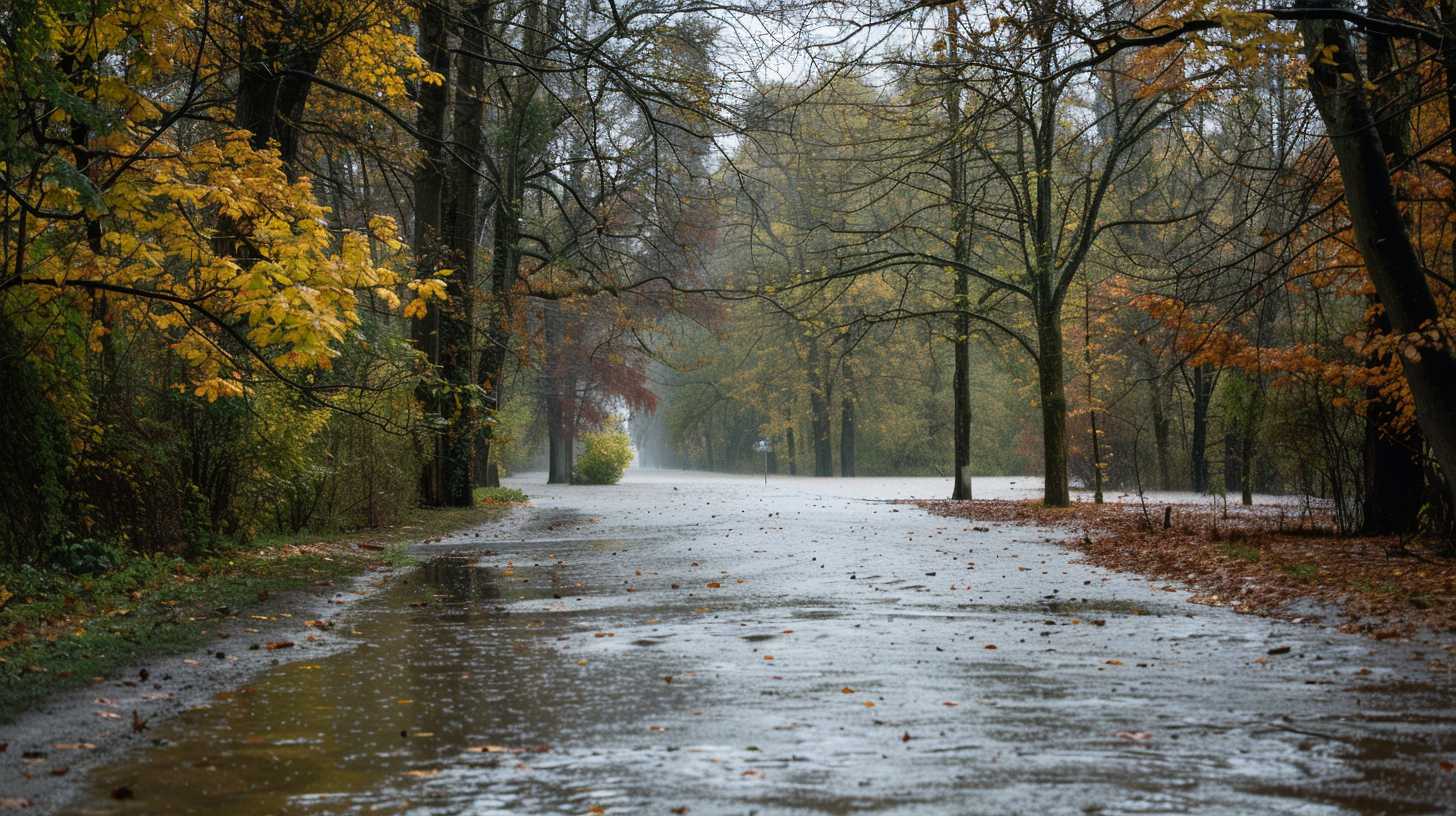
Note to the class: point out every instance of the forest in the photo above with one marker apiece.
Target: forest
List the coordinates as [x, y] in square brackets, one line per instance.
[727, 406]
[302, 265]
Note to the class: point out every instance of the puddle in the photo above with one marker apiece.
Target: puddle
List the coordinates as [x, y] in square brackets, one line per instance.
[448, 695]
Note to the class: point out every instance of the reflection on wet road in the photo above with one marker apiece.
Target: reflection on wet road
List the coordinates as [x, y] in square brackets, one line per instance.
[695, 645]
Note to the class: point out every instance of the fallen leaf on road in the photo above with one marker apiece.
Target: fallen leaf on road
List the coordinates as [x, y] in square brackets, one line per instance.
[74, 746]
[423, 774]
[1133, 736]
[846, 690]
[714, 585]
[1114, 662]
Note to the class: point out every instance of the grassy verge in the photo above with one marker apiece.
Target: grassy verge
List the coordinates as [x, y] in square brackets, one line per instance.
[60, 631]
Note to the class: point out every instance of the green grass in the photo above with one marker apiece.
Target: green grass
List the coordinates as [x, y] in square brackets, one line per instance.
[60, 631]
[1243, 552]
[1304, 572]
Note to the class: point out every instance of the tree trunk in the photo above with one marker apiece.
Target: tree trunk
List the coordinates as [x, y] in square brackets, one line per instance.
[1246, 469]
[1162, 428]
[961, 412]
[457, 314]
[274, 80]
[1202, 392]
[1050, 379]
[823, 452]
[793, 454]
[429, 195]
[571, 419]
[961, 342]
[1391, 259]
[1394, 478]
[557, 470]
[1091, 394]
[846, 437]
[820, 401]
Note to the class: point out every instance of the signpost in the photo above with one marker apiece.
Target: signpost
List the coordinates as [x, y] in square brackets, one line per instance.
[763, 446]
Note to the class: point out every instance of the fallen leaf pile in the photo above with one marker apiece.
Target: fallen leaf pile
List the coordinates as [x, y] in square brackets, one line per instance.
[1252, 560]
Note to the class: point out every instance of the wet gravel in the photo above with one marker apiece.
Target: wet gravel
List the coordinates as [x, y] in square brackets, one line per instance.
[711, 645]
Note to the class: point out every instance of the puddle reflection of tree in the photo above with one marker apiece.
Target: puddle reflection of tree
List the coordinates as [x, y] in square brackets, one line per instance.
[463, 579]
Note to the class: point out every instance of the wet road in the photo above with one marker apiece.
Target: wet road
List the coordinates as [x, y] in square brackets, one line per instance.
[708, 645]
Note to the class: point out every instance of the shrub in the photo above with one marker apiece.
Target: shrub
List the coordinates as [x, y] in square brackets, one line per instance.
[605, 456]
[499, 495]
[33, 467]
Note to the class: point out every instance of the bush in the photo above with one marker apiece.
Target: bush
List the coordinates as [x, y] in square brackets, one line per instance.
[33, 469]
[605, 457]
[499, 495]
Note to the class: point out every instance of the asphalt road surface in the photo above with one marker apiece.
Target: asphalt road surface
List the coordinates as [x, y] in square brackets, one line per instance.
[691, 644]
